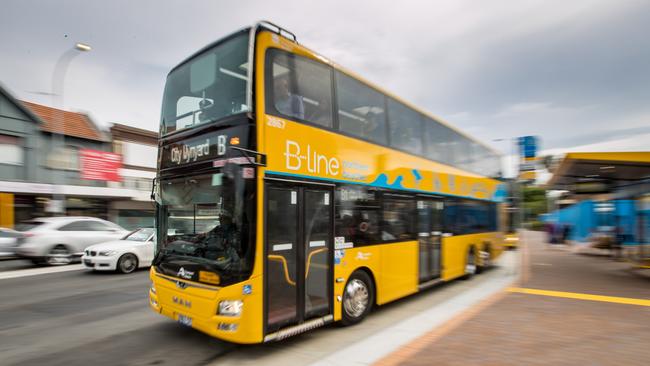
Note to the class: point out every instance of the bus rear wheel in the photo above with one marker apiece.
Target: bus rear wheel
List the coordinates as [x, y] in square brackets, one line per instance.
[486, 259]
[470, 264]
[358, 297]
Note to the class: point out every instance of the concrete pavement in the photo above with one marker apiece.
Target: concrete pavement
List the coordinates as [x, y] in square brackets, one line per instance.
[570, 309]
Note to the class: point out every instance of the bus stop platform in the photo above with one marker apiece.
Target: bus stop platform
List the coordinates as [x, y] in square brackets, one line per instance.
[565, 309]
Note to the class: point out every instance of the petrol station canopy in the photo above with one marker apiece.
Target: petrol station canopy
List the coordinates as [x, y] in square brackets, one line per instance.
[600, 172]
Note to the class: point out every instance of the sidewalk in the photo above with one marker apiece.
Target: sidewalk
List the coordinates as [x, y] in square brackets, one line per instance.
[569, 309]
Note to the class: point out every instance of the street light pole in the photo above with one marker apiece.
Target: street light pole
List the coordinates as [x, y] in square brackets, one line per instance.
[518, 187]
[58, 78]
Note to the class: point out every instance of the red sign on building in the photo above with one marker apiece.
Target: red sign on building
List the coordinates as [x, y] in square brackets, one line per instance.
[100, 165]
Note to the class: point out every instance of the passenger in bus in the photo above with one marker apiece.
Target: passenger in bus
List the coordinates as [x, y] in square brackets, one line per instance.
[287, 102]
[386, 234]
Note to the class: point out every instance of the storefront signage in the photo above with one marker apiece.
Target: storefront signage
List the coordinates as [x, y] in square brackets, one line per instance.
[100, 165]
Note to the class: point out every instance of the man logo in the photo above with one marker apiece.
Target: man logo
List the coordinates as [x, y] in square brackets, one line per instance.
[179, 301]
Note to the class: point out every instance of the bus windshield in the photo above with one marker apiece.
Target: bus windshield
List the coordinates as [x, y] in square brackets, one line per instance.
[205, 224]
[210, 86]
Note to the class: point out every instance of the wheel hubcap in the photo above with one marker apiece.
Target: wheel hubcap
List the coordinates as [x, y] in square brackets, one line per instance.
[58, 256]
[356, 298]
[470, 267]
[485, 256]
[128, 263]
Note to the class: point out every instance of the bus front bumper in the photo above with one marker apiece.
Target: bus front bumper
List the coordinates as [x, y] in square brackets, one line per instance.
[190, 311]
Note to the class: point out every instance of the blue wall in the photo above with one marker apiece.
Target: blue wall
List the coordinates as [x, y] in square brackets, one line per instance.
[583, 219]
[626, 220]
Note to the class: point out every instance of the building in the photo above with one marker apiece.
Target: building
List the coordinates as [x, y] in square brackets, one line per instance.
[139, 149]
[606, 192]
[47, 153]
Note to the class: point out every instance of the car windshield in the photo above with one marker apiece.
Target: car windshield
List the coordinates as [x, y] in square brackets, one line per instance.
[210, 86]
[206, 219]
[140, 235]
[29, 225]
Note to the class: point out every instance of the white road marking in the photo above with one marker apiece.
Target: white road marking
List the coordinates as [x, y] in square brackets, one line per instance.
[39, 271]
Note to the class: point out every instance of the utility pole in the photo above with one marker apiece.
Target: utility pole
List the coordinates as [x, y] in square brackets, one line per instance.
[58, 136]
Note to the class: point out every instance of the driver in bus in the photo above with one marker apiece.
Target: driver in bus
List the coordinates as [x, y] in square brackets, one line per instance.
[222, 241]
[287, 102]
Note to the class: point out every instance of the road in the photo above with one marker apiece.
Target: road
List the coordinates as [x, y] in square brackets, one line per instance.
[85, 318]
[79, 317]
[7, 264]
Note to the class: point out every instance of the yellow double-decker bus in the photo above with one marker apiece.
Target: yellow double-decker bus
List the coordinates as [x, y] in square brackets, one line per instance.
[292, 193]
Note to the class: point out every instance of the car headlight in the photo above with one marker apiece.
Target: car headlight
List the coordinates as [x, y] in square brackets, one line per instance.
[230, 307]
[107, 253]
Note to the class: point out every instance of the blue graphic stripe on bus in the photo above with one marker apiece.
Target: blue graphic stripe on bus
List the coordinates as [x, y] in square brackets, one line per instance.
[500, 193]
[382, 181]
[417, 175]
[375, 185]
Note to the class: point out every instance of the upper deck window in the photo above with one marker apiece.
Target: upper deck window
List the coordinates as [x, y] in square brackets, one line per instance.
[208, 87]
[362, 110]
[405, 127]
[300, 89]
[437, 142]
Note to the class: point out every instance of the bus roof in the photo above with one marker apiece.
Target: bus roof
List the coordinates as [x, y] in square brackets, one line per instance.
[268, 26]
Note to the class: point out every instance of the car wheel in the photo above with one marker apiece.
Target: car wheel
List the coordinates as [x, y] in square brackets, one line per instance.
[127, 263]
[59, 255]
[470, 264]
[358, 297]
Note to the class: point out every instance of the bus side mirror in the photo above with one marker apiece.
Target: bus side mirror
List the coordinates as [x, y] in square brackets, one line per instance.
[231, 171]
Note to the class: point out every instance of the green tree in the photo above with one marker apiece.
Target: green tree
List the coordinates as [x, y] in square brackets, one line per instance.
[535, 202]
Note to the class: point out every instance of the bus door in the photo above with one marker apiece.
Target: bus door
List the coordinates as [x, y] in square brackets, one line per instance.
[298, 257]
[429, 237]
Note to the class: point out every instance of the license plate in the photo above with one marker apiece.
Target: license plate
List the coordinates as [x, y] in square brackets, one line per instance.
[185, 320]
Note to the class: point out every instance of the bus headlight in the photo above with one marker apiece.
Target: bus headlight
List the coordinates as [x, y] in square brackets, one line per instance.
[230, 307]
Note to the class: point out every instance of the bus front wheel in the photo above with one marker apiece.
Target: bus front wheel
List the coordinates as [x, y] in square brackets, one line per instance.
[358, 297]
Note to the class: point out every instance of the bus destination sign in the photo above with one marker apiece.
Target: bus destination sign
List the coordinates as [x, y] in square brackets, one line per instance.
[198, 149]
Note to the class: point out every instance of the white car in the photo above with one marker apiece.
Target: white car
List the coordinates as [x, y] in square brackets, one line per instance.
[8, 240]
[60, 240]
[136, 250]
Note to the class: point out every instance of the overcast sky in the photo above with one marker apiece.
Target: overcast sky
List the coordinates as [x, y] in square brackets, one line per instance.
[575, 73]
